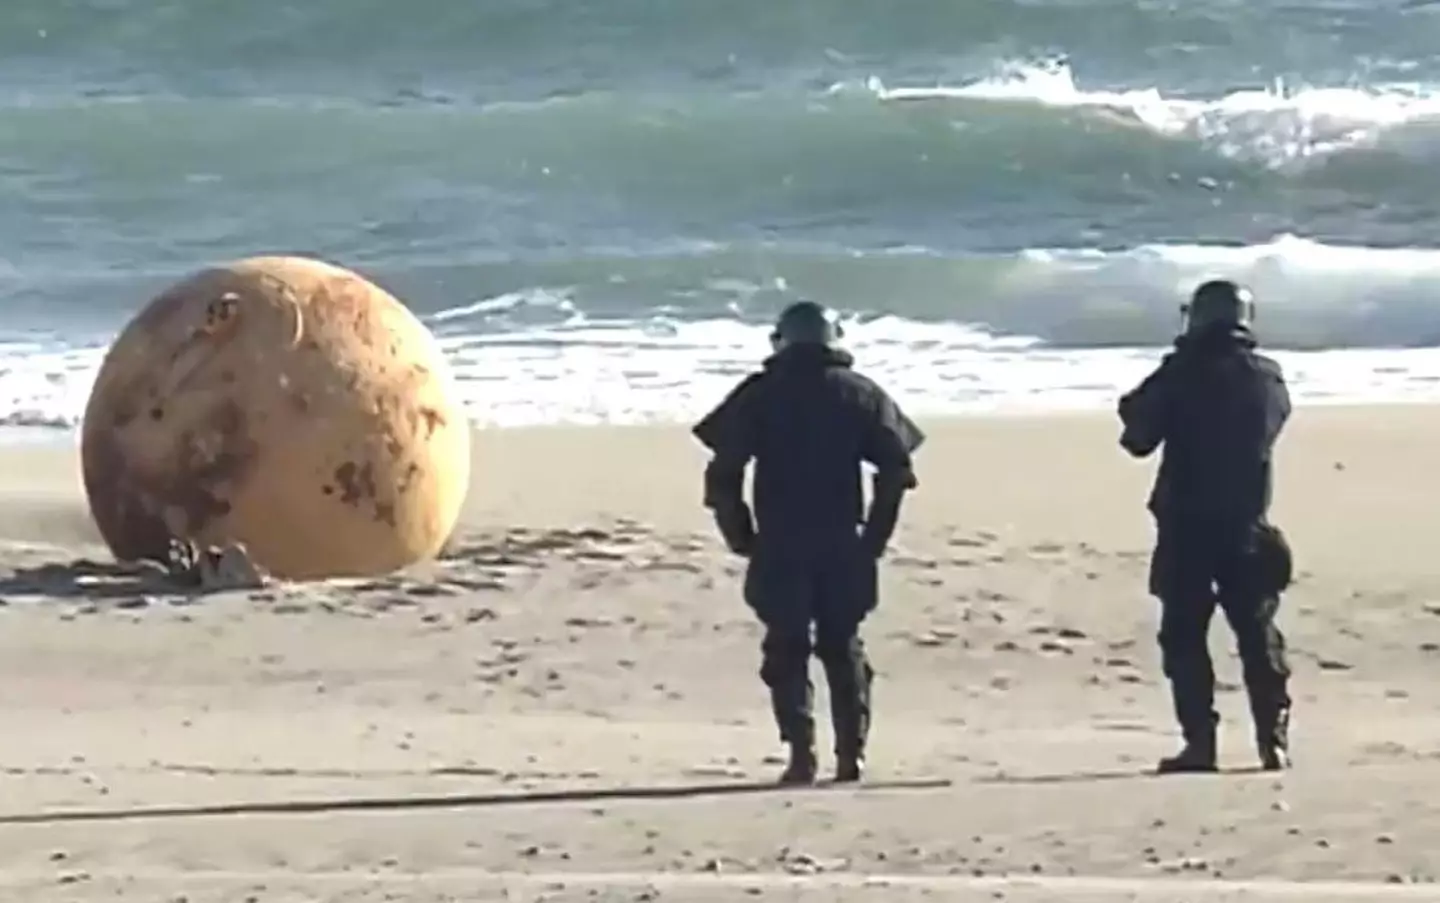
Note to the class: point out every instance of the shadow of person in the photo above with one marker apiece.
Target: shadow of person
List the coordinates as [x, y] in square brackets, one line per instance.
[454, 801]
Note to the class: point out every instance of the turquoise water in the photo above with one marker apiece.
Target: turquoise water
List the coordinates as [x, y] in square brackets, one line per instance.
[598, 206]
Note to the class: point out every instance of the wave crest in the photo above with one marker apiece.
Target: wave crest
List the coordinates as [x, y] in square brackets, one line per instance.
[1279, 126]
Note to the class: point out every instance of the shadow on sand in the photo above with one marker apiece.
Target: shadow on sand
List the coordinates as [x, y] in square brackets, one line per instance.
[90, 579]
[452, 801]
[1090, 777]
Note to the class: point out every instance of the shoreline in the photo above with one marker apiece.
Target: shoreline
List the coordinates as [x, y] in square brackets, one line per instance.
[68, 436]
[1002, 469]
[610, 389]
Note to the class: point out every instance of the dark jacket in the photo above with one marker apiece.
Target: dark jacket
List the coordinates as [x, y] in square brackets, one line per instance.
[808, 420]
[1217, 406]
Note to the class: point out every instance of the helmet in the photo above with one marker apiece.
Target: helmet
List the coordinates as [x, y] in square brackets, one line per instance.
[1218, 303]
[806, 323]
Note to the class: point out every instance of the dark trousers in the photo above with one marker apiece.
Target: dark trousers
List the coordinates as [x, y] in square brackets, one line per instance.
[831, 590]
[1195, 569]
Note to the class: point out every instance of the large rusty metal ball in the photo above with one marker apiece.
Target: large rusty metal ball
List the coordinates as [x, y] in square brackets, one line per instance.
[284, 403]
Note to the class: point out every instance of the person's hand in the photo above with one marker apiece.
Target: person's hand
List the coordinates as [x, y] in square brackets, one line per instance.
[873, 545]
[740, 545]
[738, 531]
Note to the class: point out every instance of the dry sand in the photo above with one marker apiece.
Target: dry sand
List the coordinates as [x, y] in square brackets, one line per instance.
[584, 646]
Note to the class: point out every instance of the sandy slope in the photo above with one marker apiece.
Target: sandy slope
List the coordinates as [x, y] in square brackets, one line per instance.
[585, 635]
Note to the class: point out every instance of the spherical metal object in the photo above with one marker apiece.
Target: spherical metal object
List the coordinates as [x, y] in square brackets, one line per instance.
[284, 403]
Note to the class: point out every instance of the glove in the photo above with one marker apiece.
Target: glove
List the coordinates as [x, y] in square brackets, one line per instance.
[879, 528]
[884, 512]
[873, 544]
[737, 529]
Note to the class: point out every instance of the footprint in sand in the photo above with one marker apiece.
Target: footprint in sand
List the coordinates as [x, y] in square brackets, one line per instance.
[966, 542]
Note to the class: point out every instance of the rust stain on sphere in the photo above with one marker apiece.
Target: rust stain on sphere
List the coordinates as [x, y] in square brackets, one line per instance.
[281, 402]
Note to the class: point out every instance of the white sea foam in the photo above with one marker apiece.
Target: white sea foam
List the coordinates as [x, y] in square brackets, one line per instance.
[1030, 355]
[1280, 125]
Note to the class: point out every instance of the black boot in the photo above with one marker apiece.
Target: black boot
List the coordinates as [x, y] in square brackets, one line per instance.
[803, 767]
[1197, 756]
[849, 768]
[1272, 735]
[1194, 707]
[1275, 751]
[850, 681]
[849, 751]
[791, 703]
[1192, 692]
[1266, 686]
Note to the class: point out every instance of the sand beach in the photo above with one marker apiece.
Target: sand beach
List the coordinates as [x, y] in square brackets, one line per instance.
[566, 707]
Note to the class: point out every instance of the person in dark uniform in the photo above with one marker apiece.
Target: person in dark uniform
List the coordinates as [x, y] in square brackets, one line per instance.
[808, 421]
[1218, 407]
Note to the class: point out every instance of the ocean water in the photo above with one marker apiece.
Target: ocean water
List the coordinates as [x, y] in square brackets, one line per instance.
[599, 207]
